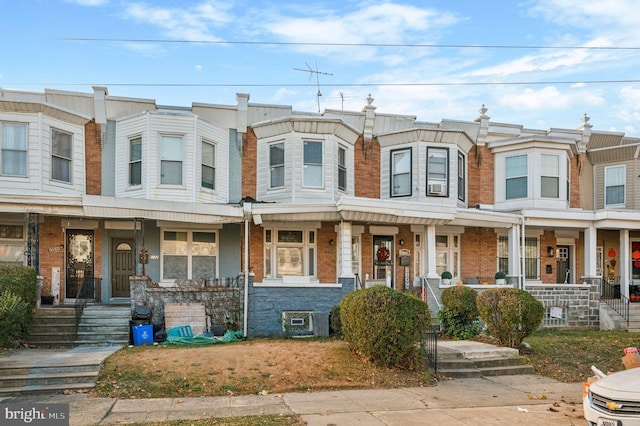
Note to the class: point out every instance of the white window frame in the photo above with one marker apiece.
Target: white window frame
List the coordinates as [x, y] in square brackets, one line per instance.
[312, 170]
[276, 169]
[135, 162]
[208, 165]
[59, 157]
[462, 176]
[10, 151]
[448, 256]
[342, 168]
[397, 172]
[437, 182]
[549, 171]
[170, 155]
[189, 249]
[276, 262]
[607, 184]
[12, 246]
[519, 176]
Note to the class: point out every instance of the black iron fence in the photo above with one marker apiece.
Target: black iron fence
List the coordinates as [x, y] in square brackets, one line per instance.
[612, 296]
[430, 347]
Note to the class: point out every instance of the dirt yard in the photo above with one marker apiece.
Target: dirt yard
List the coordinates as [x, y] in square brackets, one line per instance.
[253, 367]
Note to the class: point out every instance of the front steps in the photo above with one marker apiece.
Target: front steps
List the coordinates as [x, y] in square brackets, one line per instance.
[611, 320]
[460, 359]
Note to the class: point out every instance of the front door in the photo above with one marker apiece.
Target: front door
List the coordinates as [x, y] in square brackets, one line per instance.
[383, 259]
[79, 260]
[563, 264]
[122, 266]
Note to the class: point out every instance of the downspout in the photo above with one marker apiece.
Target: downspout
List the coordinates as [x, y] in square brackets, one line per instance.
[247, 214]
[523, 262]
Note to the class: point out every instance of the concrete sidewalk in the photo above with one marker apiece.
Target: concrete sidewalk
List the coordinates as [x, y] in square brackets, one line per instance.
[501, 400]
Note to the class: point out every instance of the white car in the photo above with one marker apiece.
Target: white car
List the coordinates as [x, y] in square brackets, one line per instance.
[614, 400]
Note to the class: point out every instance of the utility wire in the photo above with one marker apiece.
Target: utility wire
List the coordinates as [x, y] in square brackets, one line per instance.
[294, 43]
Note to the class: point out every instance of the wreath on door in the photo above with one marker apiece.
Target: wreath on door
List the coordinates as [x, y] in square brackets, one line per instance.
[383, 254]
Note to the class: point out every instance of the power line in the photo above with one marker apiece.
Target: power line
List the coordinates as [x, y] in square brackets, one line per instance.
[295, 43]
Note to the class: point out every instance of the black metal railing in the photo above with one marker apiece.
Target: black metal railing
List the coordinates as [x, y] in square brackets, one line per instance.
[612, 296]
[89, 290]
[232, 282]
[430, 347]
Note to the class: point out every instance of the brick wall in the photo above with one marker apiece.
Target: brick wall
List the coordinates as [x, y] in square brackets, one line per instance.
[367, 170]
[476, 248]
[93, 158]
[249, 164]
[480, 176]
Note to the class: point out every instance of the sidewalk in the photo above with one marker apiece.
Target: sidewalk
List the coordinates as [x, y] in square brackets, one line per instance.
[502, 400]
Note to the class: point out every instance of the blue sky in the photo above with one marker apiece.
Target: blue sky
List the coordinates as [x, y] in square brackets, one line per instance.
[431, 59]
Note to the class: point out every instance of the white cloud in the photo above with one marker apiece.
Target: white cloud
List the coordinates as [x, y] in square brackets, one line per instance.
[198, 67]
[89, 2]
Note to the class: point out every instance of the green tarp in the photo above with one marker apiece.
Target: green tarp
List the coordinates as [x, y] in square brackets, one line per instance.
[201, 339]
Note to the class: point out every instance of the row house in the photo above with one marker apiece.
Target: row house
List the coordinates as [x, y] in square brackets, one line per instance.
[304, 208]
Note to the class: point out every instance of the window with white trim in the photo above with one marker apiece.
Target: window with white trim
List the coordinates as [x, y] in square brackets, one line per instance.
[208, 179]
[437, 172]
[549, 176]
[290, 252]
[171, 160]
[614, 185]
[516, 176]
[135, 161]
[401, 172]
[12, 244]
[531, 256]
[276, 165]
[13, 149]
[342, 169]
[448, 254]
[61, 155]
[312, 164]
[462, 176]
[189, 255]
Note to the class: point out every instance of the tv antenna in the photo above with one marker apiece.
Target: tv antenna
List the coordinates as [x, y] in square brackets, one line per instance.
[311, 72]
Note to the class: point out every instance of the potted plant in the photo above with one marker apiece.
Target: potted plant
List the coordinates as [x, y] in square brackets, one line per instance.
[501, 278]
[446, 278]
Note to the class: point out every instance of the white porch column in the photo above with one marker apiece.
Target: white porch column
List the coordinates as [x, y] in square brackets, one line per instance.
[625, 262]
[514, 251]
[590, 244]
[430, 248]
[344, 250]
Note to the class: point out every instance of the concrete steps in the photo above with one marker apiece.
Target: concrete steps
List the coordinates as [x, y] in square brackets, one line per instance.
[53, 326]
[465, 359]
[104, 324]
[610, 319]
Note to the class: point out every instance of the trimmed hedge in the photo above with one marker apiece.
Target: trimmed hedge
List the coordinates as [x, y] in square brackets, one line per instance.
[459, 313]
[21, 281]
[18, 289]
[385, 325]
[510, 314]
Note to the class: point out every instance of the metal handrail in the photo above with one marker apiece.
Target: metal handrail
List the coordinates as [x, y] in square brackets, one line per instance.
[86, 292]
[433, 294]
[430, 347]
[613, 297]
[358, 281]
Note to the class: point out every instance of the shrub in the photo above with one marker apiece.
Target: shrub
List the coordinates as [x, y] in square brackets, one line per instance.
[335, 324]
[446, 275]
[21, 281]
[510, 314]
[459, 314]
[385, 325]
[15, 318]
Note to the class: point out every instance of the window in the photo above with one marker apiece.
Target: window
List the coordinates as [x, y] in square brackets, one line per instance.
[549, 176]
[342, 169]
[530, 256]
[462, 170]
[401, 173]
[516, 176]
[614, 182]
[448, 254]
[13, 153]
[312, 167]
[171, 160]
[12, 244]
[61, 148]
[208, 165]
[291, 253]
[276, 165]
[437, 172]
[189, 255]
[135, 161]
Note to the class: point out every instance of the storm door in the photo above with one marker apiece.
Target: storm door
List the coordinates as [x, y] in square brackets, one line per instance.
[79, 263]
[563, 264]
[383, 259]
[122, 266]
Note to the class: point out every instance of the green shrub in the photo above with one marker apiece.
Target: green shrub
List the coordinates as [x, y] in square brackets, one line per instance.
[510, 314]
[446, 275]
[385, 325]
[458, 316]
[21, 281]
[335, 324]
[15, 318]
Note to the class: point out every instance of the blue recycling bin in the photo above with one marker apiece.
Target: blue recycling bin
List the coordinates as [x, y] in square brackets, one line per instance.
[143, 335]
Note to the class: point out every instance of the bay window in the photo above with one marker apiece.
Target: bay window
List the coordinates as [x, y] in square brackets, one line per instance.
[61, 155]
[276, 165]
[549, 176]
[312, 164]
[516, 177]
[401, 172]
[171, 160]
[437, 172]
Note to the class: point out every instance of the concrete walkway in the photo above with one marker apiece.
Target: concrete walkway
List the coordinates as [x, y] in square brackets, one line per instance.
[500, 400]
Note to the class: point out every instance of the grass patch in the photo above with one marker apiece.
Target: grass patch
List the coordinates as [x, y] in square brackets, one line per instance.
[567, 356]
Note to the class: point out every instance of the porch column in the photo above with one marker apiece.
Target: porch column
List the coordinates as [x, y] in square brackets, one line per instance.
[590, 245]
[625, 262]
[514, 251]
[344, 249]
[431, 252]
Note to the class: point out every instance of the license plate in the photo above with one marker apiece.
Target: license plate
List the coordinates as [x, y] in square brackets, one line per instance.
[608, 422]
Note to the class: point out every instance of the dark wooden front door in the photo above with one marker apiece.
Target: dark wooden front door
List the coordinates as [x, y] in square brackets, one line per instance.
[122, 266]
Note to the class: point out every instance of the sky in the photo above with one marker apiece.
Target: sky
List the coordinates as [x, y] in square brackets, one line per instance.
[538, 63]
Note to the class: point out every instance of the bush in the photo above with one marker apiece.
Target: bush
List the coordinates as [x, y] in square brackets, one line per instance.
[335, 324]
[446, 275]
[21, 281]
[510, 314]
[15, 318]
[385, 325]
[459, 313]
[500, 275]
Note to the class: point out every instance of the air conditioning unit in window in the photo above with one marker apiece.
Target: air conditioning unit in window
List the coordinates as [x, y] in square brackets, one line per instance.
[436, 188]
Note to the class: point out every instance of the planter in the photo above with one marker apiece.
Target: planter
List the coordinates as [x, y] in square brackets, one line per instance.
[446, 281]
[46, 300]
[501, 281]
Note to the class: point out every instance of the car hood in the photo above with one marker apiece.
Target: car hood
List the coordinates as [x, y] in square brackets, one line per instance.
[621, 385]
